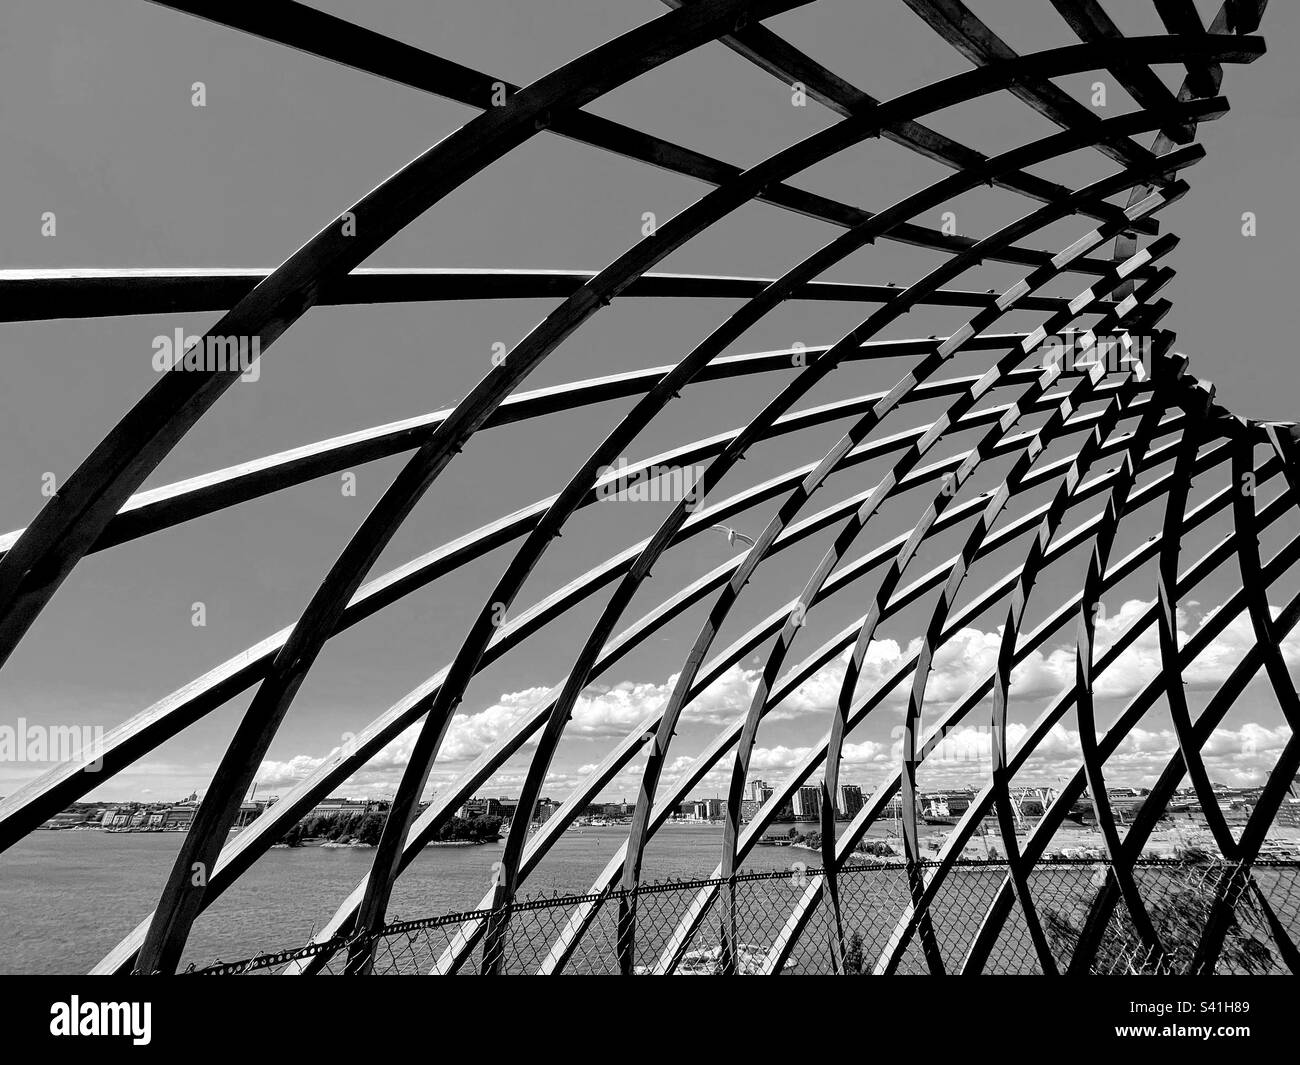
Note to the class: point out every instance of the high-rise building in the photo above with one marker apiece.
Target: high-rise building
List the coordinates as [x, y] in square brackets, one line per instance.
[850, 800]
[808, 804]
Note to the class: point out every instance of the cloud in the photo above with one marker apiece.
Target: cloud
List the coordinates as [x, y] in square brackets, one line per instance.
[605, 713]
[1234, 756]
[970, 654]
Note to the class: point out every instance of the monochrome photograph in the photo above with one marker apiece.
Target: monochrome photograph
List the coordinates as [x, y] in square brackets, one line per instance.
[649, 488]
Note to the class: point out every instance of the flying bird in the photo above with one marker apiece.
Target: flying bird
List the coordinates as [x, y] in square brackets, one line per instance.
[733, 536]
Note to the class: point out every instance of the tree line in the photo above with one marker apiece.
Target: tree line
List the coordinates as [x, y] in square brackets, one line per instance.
[366, 829]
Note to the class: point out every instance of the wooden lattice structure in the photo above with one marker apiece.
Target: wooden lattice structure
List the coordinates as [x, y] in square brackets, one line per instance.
[1142, 414]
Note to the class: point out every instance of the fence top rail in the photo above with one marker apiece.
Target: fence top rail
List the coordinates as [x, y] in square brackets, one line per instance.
[542, 902]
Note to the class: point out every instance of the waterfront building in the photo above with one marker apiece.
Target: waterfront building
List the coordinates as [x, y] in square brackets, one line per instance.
[180, 816]
[850, 800]
[499, 807]
[118, 817]
[808, 804]
[333, 806]
[704, 810]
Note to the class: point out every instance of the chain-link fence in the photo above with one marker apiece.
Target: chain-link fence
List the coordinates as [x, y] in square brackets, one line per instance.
[1166, 916]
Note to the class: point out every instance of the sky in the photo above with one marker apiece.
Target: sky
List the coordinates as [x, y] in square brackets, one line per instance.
[100, 128]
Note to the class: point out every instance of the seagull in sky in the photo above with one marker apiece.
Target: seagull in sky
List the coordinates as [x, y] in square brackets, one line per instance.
[733, 536]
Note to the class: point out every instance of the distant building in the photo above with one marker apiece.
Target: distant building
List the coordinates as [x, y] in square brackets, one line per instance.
[808, 804]
[180, 816]
[248, 813]
[893, 809]
[502, 808]
[505, 809]
[704, 810]
[850, 800]
[331, 807]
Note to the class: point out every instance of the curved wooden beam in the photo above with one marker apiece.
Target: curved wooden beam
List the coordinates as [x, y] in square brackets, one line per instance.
[429, 740]
[429, 821]
[61, 534]
[909, 798]
[979, 690]
[1116, 507]
[304, 28]
[45, 295]
[1176, 420]
[1089, 20]
[658, 754]
[809, 376]
[892, 576]
[1243, 21]
[1279, 675]
[271, 825]
[1211, 626]
[1007, 656]
[172, 504]
[961, 28]
[717, 749]
[37, 801]
[791, 66]
[1167, 602]
[65, 528]
[885, 792]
